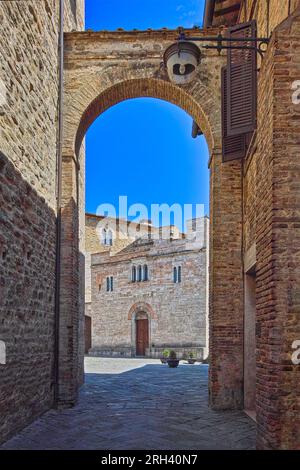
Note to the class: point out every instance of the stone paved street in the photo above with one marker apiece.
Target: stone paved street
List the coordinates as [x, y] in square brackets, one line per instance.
[139, 404]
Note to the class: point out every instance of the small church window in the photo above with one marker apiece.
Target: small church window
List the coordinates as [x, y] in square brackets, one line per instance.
[109, 238]
[103, 237]
[109, 284]
[139, 273]
[133, 274]
[146, 277]
[179, 273]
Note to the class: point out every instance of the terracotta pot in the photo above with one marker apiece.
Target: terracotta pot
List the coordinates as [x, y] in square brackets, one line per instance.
[173, 363]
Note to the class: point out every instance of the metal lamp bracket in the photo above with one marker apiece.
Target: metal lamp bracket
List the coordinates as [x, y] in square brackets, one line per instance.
[259, 44]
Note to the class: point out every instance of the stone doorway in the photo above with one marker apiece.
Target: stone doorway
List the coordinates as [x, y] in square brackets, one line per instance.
[142, 334]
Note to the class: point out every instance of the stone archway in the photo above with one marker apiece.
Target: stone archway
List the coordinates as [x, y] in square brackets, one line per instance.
[142, 307]
[102, 69]
[141, 311]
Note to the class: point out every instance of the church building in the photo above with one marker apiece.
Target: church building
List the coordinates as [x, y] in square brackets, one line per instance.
[146, 292]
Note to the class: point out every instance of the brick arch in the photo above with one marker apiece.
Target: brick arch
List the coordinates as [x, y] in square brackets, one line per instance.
[144, 307]
[204, 111]
[101, 70]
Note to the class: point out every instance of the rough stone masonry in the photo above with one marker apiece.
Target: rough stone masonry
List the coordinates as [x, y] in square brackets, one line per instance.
[29, 65]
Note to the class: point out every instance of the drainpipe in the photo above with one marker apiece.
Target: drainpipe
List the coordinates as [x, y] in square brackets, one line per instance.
[209, 13]
[58, 197]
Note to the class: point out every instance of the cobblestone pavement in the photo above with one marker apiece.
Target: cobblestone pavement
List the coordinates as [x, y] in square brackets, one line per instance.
[139, 404]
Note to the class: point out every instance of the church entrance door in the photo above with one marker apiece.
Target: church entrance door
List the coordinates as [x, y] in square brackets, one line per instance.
[142, 336]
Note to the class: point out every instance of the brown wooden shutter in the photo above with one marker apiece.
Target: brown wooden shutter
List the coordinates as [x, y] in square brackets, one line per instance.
[234, 148]
[242, 81]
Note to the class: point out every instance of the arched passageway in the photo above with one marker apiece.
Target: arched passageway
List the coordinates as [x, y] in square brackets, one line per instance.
[93, 86]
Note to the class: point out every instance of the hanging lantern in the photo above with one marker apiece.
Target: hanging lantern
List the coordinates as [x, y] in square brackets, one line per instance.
[181, 60]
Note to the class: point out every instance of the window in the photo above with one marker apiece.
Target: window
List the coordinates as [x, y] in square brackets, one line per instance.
[109, 238]
[177, 274]
[145, 278]
[139, 273]
[103, 238]
[109, 284]
[174, 274]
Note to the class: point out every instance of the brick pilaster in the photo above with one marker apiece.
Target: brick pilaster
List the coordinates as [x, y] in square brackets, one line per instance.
[226, 285]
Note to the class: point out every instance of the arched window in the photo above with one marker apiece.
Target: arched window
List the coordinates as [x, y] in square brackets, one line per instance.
[145, 278]
[103, 241]
[175, 274]
[109, 238]
[139, 273]
[133, 274]
[179, 273]
[109, 284]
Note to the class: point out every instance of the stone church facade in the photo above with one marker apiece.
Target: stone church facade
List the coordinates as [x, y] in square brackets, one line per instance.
[149, 292]
[55, 80]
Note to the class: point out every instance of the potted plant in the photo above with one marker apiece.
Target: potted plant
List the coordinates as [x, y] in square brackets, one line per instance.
[172, 360]
[165, 355]
[191, 358]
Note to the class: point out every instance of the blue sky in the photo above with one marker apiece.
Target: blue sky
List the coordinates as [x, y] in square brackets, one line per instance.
[143, 14]
[142, 148]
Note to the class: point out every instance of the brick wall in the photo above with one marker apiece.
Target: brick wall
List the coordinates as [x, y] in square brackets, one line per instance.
[267, 18]
[270, 194]
[226, 277]
[278, 243]
[28, 146]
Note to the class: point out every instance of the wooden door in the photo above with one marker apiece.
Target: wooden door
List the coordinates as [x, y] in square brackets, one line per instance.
[87, 334]
[142, 337]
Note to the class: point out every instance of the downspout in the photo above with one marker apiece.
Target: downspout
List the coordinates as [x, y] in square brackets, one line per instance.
[209, 13]
[58, 197]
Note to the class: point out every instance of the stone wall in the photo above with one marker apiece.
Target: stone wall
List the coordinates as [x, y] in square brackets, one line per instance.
[28, 145]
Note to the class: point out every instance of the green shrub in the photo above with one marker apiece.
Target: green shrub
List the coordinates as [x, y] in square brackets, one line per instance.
[191, 355]
[166, 353]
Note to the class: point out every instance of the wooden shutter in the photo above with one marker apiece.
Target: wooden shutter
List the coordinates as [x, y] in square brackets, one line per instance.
[242, 81]
[234, 148]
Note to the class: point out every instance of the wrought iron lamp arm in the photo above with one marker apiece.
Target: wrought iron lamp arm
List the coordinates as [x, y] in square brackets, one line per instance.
[220, 39]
